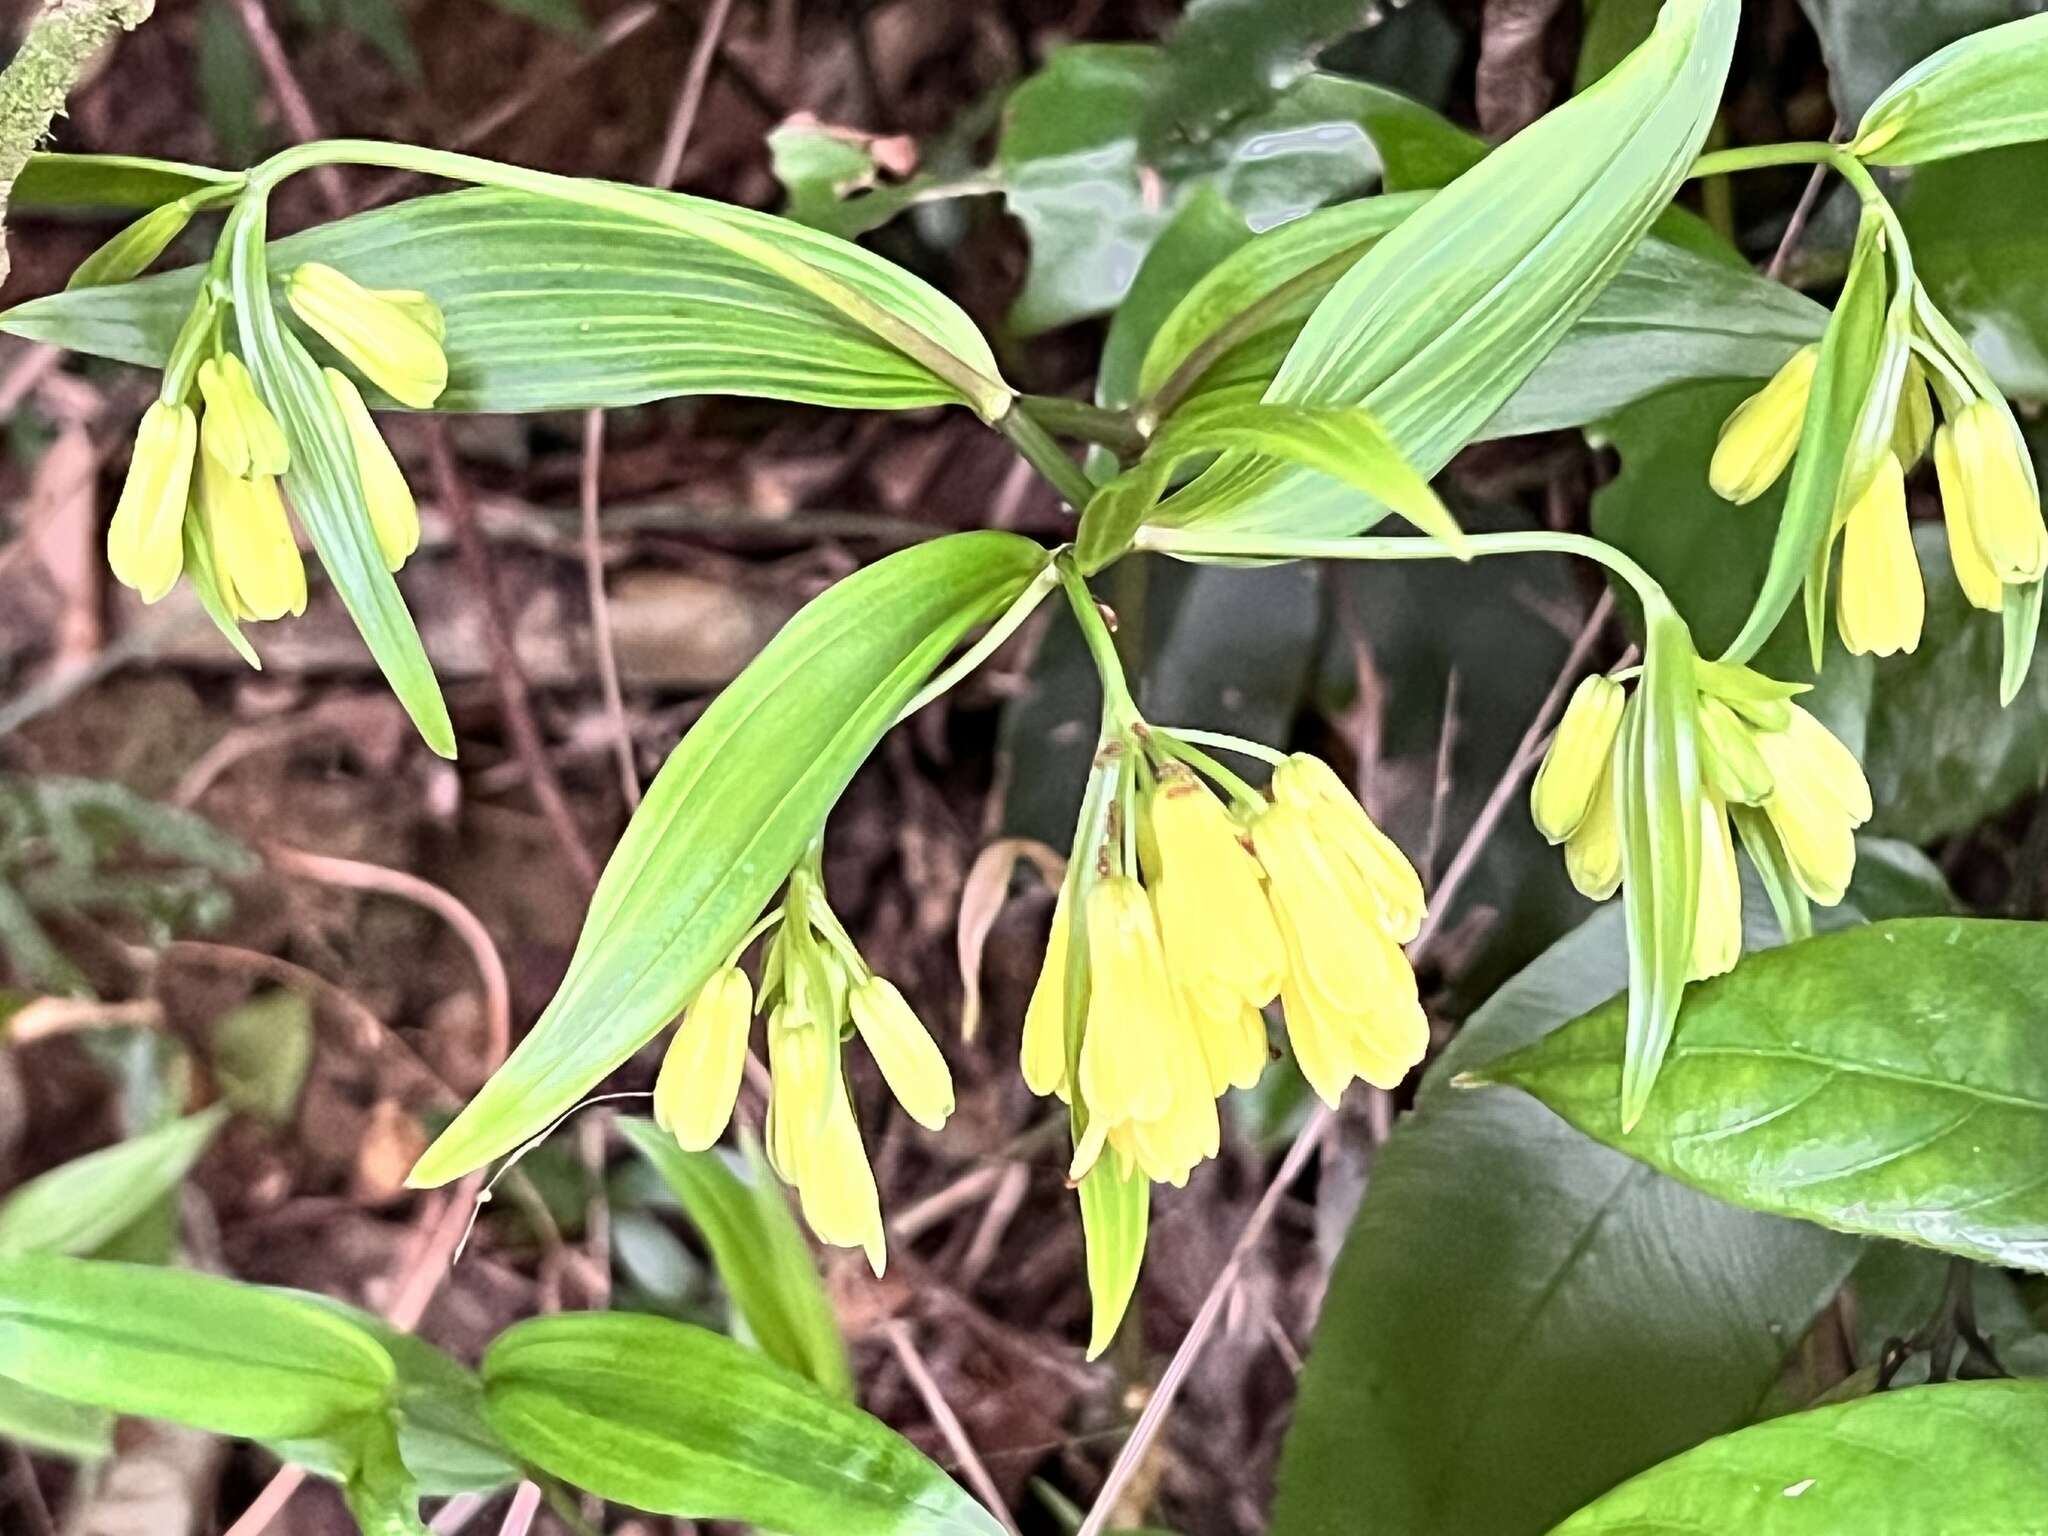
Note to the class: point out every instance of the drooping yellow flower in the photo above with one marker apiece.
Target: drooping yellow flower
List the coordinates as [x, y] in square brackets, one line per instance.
[1232, 1032]
[1880, 605]
[1998, 494]
[238, 429]
[1592, 854]
[1166, 1147]
[1717, 931]
[1818, 798]
[836, 1185]
[1733, 767]
[700, 1073]
[1759, 438]
[1980, 583]
[388, 337]
[394, 516]
[1132, 1010]
[1311, 786]
[1569, 777]
[910, 1060]
[1349, 995]
[1044, 1054]
[1913, 428]
[1213, 916]
[256, 564]
[146, 540]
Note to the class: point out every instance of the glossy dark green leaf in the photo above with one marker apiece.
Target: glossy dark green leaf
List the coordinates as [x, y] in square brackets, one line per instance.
[109, 181]
[1521, 1317]
[679, 1421]
[1982, 91]
[1961, 1457]
[191, 1348]
[325, 490]
[758, 1251]
[1446, 317]
[550, 306]
[1890, 1080]
[727, 818]
[37, 1421]
[78, 1206]
[1073, 174]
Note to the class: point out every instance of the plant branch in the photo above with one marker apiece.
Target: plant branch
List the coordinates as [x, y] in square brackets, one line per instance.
[1098, 424]
[1046, 456]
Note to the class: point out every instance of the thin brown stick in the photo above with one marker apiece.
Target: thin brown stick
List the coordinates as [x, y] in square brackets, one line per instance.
[683, 121]
[948, 1421]
[525, 1505]
[513, 695]
[35, 1511]
[291, 98]
[1802, 212]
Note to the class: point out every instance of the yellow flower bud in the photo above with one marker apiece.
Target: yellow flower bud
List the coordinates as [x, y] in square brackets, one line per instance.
[146, 540]
[1913, 428]
[1717, 931]
[2003, 506]
[1309, 784]
[389, 341]
[1132, 1008]
[1881, 605]
[1734, 768]
[1980, 583]
[836, 1186]
[238, 429]
[1592, 855]
[1760, 437]
[394, 516]
[1233, 1035]
[911, 1062]
[1349, 994]
[700, 1073]
[1818, 798]
[1214, 920]
[1578, 758]
[256, 563]
[1044, 1055]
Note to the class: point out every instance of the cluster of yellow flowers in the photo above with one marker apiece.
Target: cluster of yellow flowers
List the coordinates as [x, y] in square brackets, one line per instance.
[203, 481]
[1299, 897]
[1990, 502]
[814, 986]
[1757, 750]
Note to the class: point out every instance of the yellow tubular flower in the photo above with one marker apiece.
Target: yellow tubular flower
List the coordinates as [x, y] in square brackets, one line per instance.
[910, 1060]
[1818, 800]
[1131, 1009]
[2004, 509]
[1044, 1056]
[394, 516]
[1349, 994]
[1168, 1146]
[1881, 605]
[836, 1186]
[1592, 856]
[146, 540]
[1232, 1032]
[1733, 766]
[700, 1073]
[238, 428]
[799, 1077]
[1717, 932]
[1978, 580]
[1310, 785]
[256, 562]
[389, 341]
[1213, 916]
[1913, 428]
[1760, 437]
[1577, 759]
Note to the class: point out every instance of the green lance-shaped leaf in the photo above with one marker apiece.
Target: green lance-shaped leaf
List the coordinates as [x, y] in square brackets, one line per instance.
[1442, 320]
[112, 181]
[1889, 1080]
[53, 1425]
[1658, 797]
[325, 490]
[1961, 1457]
[195, 1349]
[680, 1421]
[1981, 91]
[1348, 445]
[758, 1250]
[1116, 1210]
[727, 818]
[88, 1202]
[1846, 382]
[554, 306]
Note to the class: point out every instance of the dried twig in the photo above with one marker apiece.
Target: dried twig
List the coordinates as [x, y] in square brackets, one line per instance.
[948, 1422]
[291, 98]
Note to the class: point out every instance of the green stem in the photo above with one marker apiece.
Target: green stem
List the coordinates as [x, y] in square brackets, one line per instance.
[1086, 422]
[1012, 617]
[1228, 743]
[989, 397]
[1175, 744]
[1197, 543]
[1046, 456]
[1119, 710]
[1759, 157]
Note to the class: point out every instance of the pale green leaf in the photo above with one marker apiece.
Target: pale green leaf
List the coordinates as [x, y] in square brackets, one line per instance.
[110, 181]
[87, 1202]
[1980, 92]
[1116, 1209]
